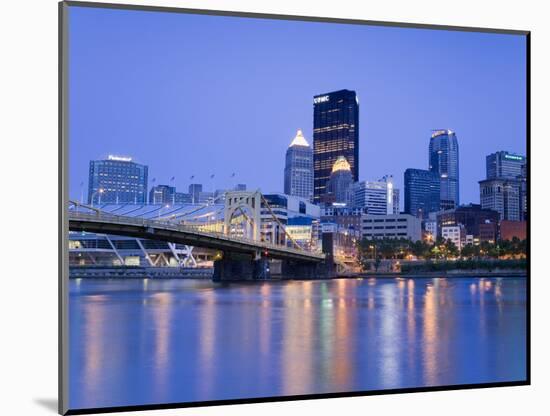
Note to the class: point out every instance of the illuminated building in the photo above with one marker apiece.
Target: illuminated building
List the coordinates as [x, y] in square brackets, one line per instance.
[335, 134]
[504, 165]
[299, 168]
[339, 183]
[443, 159]
[117, 180]
[377, 197]
[469, 216]
[454, 233]
[287, 209]
[422, 192]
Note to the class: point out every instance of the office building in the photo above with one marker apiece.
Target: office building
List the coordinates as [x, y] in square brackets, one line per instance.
[422, 192]
[335, 134]
[443, 160]
[287, 209]
[504, 165]
[162, 194]
[195, 189]
[298, 179]
[502, 196]
[391, 226]
[377, 197]
[339, 185]
[454, 233]
[117, 180]
[470, 217]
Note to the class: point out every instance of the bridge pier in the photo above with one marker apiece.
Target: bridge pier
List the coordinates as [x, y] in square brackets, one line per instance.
[241, 267]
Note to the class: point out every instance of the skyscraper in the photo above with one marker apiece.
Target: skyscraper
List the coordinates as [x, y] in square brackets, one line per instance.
[117, 180]
[504, 165]
[443, 158]
[503, 196]
[335, 134]
[504, 189]
[299, 168]
[422, 192]
[378, 197]
[339, 183]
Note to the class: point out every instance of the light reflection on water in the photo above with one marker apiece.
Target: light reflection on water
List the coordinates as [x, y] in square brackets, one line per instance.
[160, 341]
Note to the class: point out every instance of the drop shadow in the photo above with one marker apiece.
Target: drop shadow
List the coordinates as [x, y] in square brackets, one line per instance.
[49, 404]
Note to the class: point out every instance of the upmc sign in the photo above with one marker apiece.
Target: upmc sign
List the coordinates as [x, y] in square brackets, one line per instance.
[321, 99]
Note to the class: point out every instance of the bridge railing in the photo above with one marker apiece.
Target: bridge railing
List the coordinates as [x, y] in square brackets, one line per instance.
[168, 225]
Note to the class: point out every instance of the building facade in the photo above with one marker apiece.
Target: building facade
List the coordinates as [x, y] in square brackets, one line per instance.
[117, 180]
[162, 194]
[391, 226]
[195, 189]
[504, 165]
[422, 192]
[454, 233]
[468, 216]
[378, 197]
[339, 185]
[335, 134]
[443, 160]
[287, 209]
[298, 179]
[502, 196]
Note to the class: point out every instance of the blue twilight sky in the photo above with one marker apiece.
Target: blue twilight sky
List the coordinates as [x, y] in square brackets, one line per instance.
[202, 95]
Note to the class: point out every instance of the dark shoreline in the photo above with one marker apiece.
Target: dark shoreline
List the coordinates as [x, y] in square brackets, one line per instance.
[206, 274]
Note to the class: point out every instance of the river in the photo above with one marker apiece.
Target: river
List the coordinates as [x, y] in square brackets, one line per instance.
[145, 341]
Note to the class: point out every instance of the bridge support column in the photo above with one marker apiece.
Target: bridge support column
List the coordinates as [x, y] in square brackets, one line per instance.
[292, 269]
[240, 267]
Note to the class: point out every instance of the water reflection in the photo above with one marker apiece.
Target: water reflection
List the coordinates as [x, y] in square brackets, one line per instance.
[151, 341]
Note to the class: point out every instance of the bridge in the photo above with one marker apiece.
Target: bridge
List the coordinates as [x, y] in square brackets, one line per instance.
[245, 256]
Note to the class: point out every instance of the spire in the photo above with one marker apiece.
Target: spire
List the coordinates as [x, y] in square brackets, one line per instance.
[341, 164]
[299, 140]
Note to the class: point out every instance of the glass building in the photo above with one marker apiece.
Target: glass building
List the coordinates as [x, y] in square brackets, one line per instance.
[299, 168]
[422, 192]
[443, 158]
[117, 180]
[335, 134]
[504, 165]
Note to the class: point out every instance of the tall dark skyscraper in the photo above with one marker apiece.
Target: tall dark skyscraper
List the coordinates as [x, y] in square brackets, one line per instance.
[117, 180]
[299, 168]
[335, 134]
[422, 192]
[443, 157]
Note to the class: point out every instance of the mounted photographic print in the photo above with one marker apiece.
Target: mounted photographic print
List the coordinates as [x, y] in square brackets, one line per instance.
[264, 208]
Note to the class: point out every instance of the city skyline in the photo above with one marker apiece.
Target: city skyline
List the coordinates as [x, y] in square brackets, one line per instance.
[483, 105]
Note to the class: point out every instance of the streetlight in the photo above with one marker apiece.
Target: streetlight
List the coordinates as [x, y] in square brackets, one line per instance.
[99, 191]
[160, 210]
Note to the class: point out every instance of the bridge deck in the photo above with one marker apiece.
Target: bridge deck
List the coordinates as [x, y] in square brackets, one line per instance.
[178, 233]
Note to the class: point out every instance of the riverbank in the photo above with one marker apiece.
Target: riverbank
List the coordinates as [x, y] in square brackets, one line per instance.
[134, 272]
[442, 274]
